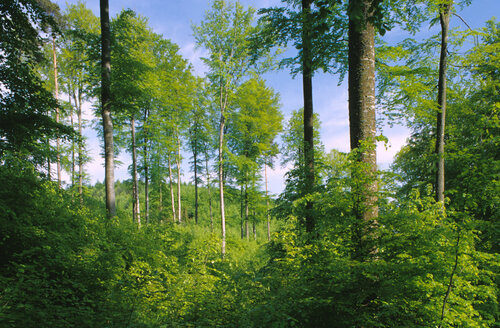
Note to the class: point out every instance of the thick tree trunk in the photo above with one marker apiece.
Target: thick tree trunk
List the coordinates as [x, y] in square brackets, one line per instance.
[172, 198]
[362, 120]
[444, 17]
[308, 111]
[135, 184]
[267, 207]
[178, 162]
[106, 109]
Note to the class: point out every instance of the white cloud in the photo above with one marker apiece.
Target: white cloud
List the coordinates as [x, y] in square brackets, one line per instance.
[194, 55]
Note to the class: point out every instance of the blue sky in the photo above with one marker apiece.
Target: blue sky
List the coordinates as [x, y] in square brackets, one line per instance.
[174, 18]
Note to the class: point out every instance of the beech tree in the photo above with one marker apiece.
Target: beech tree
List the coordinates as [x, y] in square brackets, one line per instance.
[107, 122]
[225, 33]
[317, 31]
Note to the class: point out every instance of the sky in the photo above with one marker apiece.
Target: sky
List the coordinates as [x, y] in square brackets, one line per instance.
[174, 19]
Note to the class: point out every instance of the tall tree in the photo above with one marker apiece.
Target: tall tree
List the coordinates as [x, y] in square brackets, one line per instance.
[107, 122]
[362, 123]
[444, 19]
[317, 31]
[25, 123]
[225, 33]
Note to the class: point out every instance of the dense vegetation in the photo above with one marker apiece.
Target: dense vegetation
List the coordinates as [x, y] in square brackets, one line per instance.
[344, 245]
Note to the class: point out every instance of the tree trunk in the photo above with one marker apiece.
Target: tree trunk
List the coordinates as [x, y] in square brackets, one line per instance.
[362, 121]
[195, 158]
[73, 159]
[78, 104]
[56, 95]
[444, 17]
[267, 207]
[135, 184]
[178, 162]
[160, 206]
[221, 184]
[254, 226]
[242, 210]
[146, 168]
[247, 231]
[209, 194]
[172, 198]
[308, 111]
[106, 109]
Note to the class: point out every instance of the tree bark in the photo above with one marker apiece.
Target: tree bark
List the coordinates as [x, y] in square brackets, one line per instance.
[444, 17]
[195, 158]
[172, 198]
[146, 168]
[308, 111]
[78, 104]
[209, 194]
[178, 162]
[56, 96]
[247, 231]
[267, 207]
[362, 122]
[135, 184]
[106, 109]
[73, 159]
[221, 184]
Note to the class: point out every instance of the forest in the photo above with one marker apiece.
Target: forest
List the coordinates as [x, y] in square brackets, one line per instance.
[345, 244]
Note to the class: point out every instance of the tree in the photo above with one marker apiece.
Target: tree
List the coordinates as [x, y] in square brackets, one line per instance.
[444, 19]
[107, 122]
[317, 32]
[225, 33]
[362, 123]
[25, 103]
[254, 126]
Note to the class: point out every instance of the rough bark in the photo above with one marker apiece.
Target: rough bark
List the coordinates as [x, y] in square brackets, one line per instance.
[106, 109]
[308, 112]
[362, 122]
[135, 184]
[444, 17]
